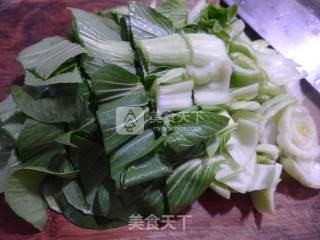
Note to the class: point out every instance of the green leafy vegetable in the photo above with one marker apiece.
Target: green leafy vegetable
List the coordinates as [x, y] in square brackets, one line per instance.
[190, 129]
[11, 120]
[44, 58]
[35, 137]
[167, 50]
[48, 110]
[216, 20]
[107, 118]
[139, 161]
[102, 38]
[148, 23]
[67, 77]
[152, 108]
[23, 196]
[112, 82]
[175, 10]
[188, 182]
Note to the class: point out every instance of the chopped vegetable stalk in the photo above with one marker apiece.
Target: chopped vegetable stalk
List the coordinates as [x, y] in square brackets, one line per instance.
[264, 159]
[220, 189]
[244, 105]
[174, 97]
[186, 86]
[205, 49]
[235, 177]
[298, 134]
[245, 70]
[247, 115]
[238, 170]
[244, 48]
[269, 149]
[280, 70]
[243, 143]
[306, 173]
[173, 91]
[167, 50]
[210, 68]
[172, 76]
[236, 29]
[217, 70]
[246, 93]
[270, 112]
[107, 51]
[265, 176]
[263, 200]
[204, 96]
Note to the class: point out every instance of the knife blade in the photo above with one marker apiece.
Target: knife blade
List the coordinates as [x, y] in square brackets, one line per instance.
[292, 27]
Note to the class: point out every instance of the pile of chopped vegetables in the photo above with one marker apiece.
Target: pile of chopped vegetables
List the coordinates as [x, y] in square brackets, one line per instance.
[218, 111]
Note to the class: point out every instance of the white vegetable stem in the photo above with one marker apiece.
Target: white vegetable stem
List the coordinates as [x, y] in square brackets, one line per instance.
[168, 50]
[298, 138]
[298, 134]
[173, 91]
[280, 70]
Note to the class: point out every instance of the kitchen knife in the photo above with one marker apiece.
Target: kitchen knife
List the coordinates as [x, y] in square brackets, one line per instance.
[292, 27]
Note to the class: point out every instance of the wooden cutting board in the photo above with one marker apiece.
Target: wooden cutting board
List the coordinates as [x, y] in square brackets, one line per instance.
[298, 209]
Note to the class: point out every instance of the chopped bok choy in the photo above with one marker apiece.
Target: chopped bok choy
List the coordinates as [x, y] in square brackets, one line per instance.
[146, 107]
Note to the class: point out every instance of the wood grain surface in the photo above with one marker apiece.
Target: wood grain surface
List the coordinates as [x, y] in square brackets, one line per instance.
[298, 209]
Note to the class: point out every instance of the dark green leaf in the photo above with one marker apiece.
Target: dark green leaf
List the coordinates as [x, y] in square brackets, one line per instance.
[8, 109]
[47, 193]
[22, 194]
[137, 148]
[146, 22]
[139, 161]
[89, 221]
[7, 163]
[191, 129]
[112, 82]
[35, 138]
[12, 127]
[75, 196]
[90, 158]
[48, 110]
[148, 168]
[145, 199]
[107, 118]
[103, 201]
[11, 119]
